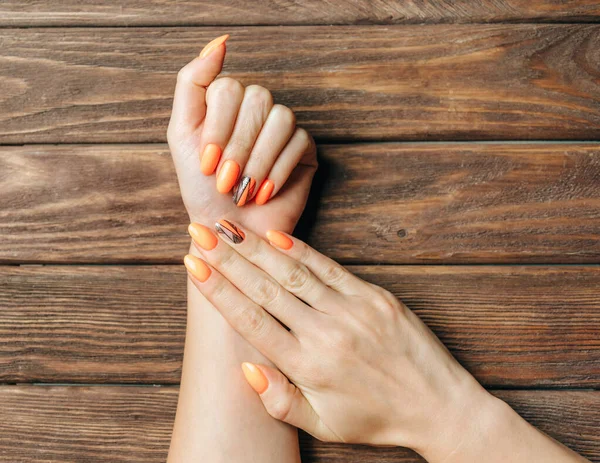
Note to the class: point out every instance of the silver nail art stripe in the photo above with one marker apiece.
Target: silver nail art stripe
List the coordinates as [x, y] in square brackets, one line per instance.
[239, 189]
[231, 232]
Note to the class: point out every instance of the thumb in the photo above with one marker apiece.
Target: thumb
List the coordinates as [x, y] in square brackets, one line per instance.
[284, 401]
[189, 103]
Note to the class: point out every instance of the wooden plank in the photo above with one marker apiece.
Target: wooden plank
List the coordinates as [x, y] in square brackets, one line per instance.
[380, 203]
[442, 82]
[509, 325]
[133, 424]
[274, 12]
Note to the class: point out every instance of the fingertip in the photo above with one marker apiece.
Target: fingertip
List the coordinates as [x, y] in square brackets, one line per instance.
[227, 176]
[255, 377]
[203, 236]
[264, 192]
[210, 158]
[213, 45]
[279, 239]
[197, 267]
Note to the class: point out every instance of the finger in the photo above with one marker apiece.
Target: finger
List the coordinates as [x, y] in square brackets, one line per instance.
[284, 401]
[255, 107]
[273, 137]
[223, 100]
[300, 149]
[294, 277]
[251, 321]
[254, 283]
[327, 270]
[189, 106]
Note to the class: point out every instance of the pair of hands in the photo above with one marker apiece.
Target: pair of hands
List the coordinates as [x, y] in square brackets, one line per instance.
[355, 365]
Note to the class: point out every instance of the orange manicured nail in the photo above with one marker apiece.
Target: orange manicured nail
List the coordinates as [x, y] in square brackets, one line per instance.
[264, 192]
[255, 377]
[210, 158]
[203, 236]
[212, 45]
[279, 239]
[197, 267]
[228, 175]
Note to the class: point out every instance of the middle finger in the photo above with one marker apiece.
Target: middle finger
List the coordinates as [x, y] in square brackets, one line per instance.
[255, 108]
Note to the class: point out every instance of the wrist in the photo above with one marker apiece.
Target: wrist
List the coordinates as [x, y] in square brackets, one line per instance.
[465, 429]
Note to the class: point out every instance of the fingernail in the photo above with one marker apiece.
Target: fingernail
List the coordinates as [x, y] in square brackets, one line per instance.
[279, 239]
[197, 267]
[228, 175]
[230, 231]
[210, 158]
[212, 45]
[264, 192]
[203, 236]
[243, 190]
[255, 377]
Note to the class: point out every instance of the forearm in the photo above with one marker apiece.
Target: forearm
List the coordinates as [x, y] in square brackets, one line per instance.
[495, 433]
[219, 418]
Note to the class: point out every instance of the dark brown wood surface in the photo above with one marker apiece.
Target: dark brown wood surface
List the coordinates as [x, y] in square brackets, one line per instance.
[526, 326]
[444, 82]
[133, 424]
[426, 74]
[276, 12]
[379, 203]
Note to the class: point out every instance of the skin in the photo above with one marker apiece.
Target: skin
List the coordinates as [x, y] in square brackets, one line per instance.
[380, 357]
[212, 386]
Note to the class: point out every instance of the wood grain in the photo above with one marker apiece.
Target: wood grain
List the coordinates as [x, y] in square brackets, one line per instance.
[278, 12]
[442, 82]
[529, 326]
[133, 424]
[379, 203]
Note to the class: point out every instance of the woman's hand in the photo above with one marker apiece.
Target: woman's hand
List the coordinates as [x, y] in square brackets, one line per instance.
[363, 368]
[231, 144]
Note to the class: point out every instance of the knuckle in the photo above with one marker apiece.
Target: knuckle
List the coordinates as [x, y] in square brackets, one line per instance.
[285, 114]
[335, 274]
[228, 259]
[297, 278]
[225, 86]
[253, 321]
[304, 253]
[304, 138]
[386, 303]
[280, 408]
[259, 95]
[267, 292]
[219, 291]
[186, 74]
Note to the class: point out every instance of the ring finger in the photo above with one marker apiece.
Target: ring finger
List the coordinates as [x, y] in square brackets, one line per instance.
[274, 135]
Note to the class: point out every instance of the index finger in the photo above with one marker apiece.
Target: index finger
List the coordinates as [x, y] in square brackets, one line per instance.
[254, 323]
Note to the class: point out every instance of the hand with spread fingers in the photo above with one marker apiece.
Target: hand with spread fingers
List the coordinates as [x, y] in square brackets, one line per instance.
[353, 364]
[237, 153]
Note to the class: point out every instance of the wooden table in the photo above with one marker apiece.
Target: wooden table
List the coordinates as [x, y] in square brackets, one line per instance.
[461, 170]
